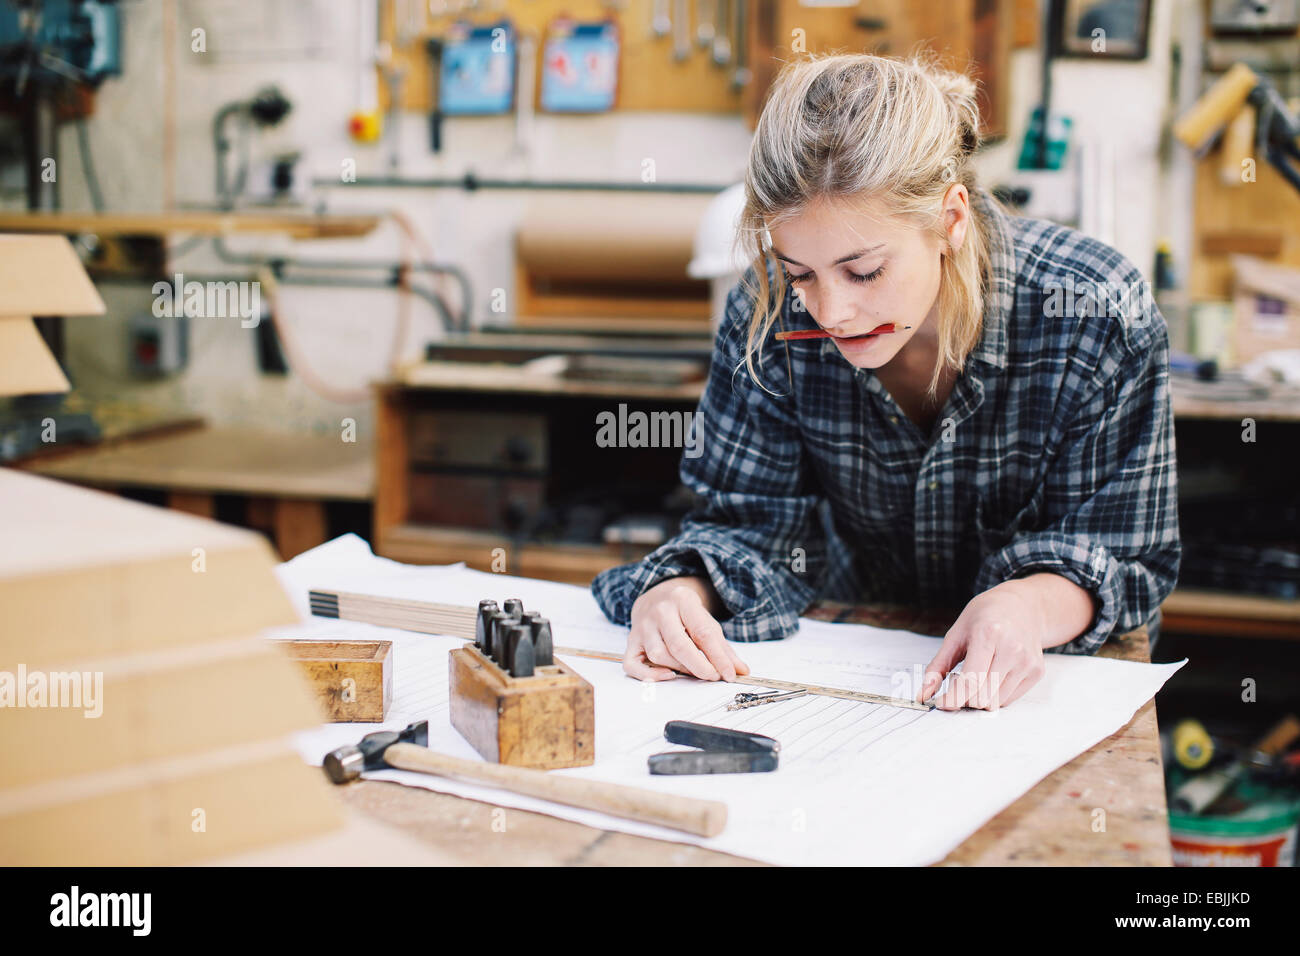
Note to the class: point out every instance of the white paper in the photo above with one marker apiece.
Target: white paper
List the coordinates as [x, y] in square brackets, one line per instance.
[857, 784]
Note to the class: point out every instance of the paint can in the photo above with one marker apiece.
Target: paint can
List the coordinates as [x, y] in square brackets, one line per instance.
[1264, 834]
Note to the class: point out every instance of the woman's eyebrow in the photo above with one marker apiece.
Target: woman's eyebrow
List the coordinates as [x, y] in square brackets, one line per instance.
[849, 258]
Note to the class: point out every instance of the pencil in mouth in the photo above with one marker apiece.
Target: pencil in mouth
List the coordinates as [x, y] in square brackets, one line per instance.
[823, 334]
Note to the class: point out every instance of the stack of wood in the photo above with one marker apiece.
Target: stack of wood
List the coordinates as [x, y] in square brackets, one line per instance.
[144, 720]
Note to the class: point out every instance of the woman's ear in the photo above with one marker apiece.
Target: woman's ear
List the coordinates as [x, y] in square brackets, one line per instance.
[956, 215]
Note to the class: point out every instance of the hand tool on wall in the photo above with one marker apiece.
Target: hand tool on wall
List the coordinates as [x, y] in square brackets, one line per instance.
[661, 22]
[741, 75]
[721, 39]
[434, 49]
[408, 750]
[706, 18]
[1276, 129]
[721, 750]
[681, 30]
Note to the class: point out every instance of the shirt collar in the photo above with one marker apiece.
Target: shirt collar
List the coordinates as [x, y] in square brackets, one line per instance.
[1000, 294]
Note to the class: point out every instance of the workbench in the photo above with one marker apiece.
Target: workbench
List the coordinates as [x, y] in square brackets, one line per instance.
[1052, 824]
[286, 479]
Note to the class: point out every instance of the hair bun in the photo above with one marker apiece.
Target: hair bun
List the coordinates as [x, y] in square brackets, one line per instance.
[961, 93]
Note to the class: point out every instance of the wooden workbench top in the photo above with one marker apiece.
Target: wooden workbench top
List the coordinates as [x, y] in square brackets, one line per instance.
[1052, 824]
[226, 461]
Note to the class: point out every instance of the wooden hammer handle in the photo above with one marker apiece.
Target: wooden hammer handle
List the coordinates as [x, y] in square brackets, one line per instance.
[702, 817]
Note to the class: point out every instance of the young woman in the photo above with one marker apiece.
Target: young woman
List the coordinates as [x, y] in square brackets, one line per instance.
[1009, 450]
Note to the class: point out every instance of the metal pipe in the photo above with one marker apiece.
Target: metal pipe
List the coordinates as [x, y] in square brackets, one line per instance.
[431, 297]
[471, 183]
[341, 265]
[41, 142]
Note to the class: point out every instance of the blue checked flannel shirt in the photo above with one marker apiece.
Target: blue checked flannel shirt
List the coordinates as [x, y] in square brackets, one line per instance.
[1054, 452]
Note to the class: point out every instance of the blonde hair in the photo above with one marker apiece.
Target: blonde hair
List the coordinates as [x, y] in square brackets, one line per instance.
[856, 127]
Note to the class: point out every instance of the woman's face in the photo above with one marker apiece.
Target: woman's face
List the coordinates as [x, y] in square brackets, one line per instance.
[855, 270]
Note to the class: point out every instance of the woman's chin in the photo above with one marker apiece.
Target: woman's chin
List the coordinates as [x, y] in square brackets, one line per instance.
[866, 352]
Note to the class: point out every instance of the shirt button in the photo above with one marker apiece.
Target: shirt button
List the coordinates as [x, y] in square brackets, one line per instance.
[934, 556]
[894, 419]
[934, 485]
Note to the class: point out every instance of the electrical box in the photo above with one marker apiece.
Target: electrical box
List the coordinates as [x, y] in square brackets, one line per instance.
[157, 347]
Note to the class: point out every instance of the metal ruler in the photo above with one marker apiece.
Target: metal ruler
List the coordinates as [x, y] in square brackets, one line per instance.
[859, 695]
[456, 620]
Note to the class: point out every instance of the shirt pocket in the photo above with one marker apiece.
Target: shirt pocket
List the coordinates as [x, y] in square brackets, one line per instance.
[999, 518]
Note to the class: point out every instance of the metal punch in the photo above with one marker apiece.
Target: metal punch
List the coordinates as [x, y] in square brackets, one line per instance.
[722, 750]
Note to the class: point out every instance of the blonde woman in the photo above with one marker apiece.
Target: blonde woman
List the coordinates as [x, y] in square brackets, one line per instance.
[1008, 451]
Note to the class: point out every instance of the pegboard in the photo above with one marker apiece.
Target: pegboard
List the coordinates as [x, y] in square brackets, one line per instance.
[649, 76]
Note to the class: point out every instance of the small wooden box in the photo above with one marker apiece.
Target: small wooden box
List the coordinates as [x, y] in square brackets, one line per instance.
[545, 721]
[352, 681]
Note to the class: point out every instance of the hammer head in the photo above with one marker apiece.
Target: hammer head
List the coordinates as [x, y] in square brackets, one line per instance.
[347, 763]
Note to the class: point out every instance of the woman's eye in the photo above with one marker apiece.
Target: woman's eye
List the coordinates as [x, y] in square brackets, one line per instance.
[853, 276]
[869, 277]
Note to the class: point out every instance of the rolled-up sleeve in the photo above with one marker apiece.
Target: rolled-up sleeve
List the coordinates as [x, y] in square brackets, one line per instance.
[754, 533]
[1111, 508]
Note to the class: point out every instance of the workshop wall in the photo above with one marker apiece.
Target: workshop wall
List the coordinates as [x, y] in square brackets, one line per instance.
[345, 334]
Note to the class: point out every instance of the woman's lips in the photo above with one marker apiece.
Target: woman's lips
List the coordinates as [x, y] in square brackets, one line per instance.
[878, 330]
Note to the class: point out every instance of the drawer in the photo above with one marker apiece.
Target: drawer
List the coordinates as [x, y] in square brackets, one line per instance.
[497, 441]
[474, 501]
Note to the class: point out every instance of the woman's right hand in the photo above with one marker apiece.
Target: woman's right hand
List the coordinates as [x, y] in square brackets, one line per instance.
[674, 630]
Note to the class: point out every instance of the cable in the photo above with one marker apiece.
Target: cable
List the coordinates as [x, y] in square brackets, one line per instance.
[426, 252]
[294, 355]
[88, 166]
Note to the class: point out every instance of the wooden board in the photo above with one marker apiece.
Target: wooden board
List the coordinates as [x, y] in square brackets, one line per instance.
[156, 707]
[154, 819]
[568, 563]
[294, 225]
[184, 752]
[967, 35]
[350, 681]
[1229, 614]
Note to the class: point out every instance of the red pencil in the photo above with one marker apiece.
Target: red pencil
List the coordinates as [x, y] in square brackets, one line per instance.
[823, 334]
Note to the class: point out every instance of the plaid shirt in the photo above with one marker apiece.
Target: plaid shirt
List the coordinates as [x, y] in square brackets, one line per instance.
[1055, 452]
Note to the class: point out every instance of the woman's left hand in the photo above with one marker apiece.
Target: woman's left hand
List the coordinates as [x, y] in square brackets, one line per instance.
[1000, 636]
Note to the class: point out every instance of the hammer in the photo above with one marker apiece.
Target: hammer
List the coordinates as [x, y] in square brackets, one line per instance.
[408, 750]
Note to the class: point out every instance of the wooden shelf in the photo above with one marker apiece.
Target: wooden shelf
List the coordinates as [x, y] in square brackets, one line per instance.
[571, 563]
[1230, 614]
[1279, 408]
[501, 378]
[295, 225]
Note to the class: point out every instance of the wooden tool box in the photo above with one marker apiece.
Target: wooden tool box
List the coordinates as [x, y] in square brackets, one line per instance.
[351, 681]
[545, 721]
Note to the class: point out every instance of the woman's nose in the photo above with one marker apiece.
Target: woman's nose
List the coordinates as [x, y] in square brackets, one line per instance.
[834, 311]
